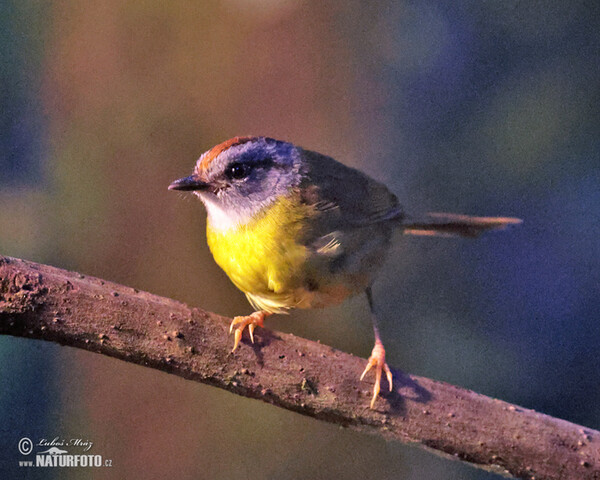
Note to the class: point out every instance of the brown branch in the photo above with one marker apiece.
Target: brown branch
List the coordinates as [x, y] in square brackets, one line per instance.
[39, 301]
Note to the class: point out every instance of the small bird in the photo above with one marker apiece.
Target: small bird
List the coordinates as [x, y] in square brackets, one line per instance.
[293, 228]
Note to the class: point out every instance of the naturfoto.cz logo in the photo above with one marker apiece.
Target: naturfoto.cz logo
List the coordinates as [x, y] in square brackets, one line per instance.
[56, 453]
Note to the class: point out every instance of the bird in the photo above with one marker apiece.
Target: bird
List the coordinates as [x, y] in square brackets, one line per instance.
[293, 228]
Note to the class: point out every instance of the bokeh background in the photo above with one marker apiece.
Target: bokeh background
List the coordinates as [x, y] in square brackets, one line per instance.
[475, 107]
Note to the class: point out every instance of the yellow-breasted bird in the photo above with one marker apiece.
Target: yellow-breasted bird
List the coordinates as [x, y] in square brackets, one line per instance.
[296, 229]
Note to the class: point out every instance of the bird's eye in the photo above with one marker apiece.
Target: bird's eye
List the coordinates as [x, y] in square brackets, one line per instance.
[237, 171]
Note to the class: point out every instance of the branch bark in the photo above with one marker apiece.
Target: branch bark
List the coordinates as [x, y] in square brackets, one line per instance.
[39, 301]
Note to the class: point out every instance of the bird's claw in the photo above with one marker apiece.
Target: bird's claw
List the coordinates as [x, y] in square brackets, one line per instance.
[377, 360]
[251, 321]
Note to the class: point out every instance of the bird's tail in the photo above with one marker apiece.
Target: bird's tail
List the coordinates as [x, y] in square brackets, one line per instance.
[452, 225]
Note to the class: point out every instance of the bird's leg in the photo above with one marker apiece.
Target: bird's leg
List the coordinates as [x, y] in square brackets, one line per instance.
[251, 321]
[377, 358]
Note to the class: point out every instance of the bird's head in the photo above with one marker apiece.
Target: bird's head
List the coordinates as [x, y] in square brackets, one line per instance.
[239, 178]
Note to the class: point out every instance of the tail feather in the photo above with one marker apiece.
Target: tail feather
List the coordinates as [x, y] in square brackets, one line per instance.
[452, 225]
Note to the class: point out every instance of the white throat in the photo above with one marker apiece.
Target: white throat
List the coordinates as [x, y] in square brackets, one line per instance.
[222, 218]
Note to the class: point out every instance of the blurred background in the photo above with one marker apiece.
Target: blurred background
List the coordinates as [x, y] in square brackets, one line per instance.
[488, 108]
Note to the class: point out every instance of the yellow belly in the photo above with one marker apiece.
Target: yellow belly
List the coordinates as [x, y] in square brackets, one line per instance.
[267, 260]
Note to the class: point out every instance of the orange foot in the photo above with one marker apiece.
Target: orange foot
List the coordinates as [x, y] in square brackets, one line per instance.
[251, 321]
[377, 360]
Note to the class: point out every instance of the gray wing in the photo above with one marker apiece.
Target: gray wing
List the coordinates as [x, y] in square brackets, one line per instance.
[353, 220]
[346, 197]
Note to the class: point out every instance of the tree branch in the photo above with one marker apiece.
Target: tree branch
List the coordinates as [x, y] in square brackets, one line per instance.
[39, 301]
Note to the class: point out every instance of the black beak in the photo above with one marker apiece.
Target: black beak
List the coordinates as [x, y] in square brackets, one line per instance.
[189, 184]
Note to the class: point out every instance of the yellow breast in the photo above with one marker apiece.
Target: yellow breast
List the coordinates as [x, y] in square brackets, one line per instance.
[266, 259]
